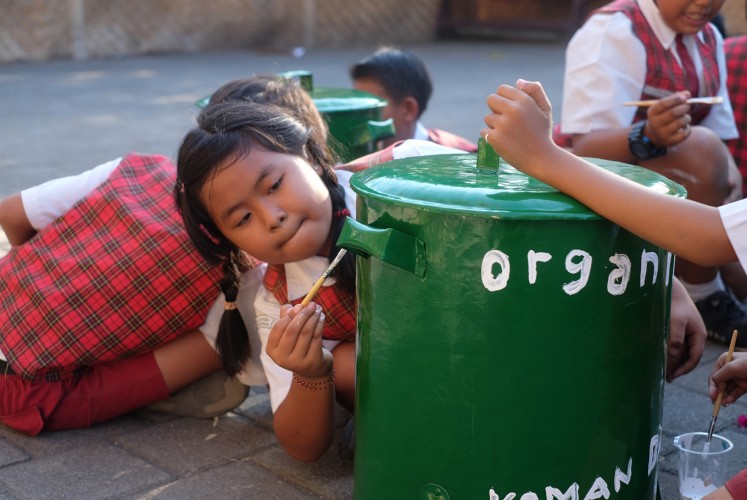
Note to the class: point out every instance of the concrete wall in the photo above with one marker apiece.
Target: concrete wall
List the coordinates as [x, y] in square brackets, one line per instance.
[35, 30]
[47, 29]
[735, 17]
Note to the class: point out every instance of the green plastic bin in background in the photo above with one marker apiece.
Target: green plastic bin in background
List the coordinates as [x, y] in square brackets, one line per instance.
[510, 340]
[354, 118]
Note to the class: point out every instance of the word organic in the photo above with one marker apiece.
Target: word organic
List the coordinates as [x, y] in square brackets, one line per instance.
[496, 270]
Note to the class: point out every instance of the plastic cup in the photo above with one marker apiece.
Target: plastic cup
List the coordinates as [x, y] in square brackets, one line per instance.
[702, 465]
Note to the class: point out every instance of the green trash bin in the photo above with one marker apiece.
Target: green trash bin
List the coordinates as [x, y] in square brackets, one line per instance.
[510, 340]
[354, 118]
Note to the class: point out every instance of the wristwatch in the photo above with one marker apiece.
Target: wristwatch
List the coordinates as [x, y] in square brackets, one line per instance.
[641, 146]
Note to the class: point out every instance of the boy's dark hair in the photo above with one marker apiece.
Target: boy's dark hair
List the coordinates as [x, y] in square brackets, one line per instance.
[400, 72]
[227, 130]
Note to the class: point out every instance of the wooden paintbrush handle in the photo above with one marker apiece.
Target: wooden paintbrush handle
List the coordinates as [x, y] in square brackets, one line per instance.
[729, 355]
[309, 296]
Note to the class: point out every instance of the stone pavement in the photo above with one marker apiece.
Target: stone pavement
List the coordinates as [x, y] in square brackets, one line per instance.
[62, 117]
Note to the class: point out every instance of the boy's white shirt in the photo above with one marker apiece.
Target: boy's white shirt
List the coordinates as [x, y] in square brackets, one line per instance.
[606, 66]
[422, 147]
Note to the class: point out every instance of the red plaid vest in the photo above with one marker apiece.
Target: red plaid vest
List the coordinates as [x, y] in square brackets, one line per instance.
[339, 308]
[736, 66]
[664, 75]
[114, 277]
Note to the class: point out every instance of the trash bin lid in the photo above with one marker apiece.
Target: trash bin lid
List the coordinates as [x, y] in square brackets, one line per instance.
[333, 100]
[453, 184]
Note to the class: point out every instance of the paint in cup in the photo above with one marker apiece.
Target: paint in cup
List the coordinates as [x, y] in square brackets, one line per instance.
[702, 465]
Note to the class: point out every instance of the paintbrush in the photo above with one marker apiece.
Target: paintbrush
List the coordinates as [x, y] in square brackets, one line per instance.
[310, 296]
[692, 100]
[717, 403]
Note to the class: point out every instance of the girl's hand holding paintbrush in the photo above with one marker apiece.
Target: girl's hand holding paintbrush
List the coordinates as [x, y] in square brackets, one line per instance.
[730, 377]
[295, 342]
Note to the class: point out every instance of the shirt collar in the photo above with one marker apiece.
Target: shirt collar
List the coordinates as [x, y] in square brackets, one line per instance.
[421, 132]
[664, 33]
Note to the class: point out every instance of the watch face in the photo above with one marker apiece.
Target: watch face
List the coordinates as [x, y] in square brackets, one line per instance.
[639, 149]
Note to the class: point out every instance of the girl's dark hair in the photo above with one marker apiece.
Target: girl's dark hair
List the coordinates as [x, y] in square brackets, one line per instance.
[227, 130]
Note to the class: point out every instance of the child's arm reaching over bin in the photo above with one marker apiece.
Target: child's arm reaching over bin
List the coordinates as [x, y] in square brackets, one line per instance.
[519, 130]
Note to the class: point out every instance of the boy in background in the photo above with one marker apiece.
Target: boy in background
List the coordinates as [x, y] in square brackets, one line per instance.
[633, 50]
[401, 78]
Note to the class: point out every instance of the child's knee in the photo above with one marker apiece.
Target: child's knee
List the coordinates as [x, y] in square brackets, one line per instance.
[703, 163]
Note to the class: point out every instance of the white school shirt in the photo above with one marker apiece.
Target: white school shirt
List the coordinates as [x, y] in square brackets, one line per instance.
[421, 133]
[606, 66]
[734, 218]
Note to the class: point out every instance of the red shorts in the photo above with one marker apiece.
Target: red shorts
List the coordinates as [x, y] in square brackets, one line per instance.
[101, 393]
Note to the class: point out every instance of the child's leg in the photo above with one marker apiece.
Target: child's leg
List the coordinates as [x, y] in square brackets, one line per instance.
[113, 389]
[102, 392]
[344, 366]
[186, 359]
[106, 390]
[702, 164]
[735, 278]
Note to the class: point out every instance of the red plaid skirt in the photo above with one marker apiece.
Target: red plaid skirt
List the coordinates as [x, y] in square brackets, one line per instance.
[114, 277]
[339, 308]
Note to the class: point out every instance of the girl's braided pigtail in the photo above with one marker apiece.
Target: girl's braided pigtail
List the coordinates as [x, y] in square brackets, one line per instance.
[232, 342]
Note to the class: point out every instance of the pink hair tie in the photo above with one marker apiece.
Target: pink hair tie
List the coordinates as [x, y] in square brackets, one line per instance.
[342, 213]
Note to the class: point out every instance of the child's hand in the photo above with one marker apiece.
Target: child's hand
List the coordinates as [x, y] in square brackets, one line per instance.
[520, 122]
[687, 333]
[668, 121]
[731, 377]
[295, 341]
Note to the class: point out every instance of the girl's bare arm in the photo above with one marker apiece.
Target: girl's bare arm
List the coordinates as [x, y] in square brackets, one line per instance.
[304, 422]
[519, 130]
